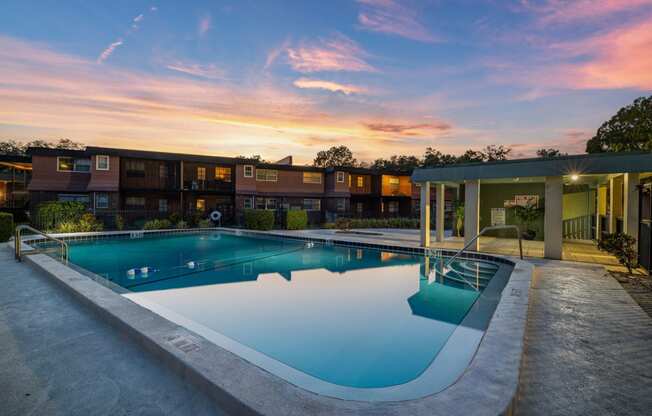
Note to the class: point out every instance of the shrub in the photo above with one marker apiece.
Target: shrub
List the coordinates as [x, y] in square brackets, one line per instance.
[119, 223]
[259, 219]
[182, 225]
[6, 226]
[349, 223]
[297, 219]
[156, 225]
[51, 214]
[86, 223]
[623, 247]
[175, 218]
[205, 223]
[342, 223]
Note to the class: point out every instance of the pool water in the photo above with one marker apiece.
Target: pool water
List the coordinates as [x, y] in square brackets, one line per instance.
[351, 317]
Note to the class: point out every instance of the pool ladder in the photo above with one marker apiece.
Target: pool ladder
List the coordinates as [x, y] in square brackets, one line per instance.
[18, 242]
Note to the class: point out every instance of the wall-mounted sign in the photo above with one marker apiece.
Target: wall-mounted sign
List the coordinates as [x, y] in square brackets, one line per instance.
[522, 200]
[497, 216]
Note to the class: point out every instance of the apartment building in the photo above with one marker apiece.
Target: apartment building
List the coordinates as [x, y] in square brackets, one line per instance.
[143, 185]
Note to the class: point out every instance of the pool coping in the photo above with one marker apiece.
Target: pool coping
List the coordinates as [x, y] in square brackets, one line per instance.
[487, 386]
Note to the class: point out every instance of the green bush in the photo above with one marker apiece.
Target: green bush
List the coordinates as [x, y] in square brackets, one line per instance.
[259, 219]
[157, 225]
[623, 247]
[182, 225]
[119, 223]
[205, 223]
[175, 218]
[87, 223]
[51, 214]
[6, 226]
[352, 223]
[297, 219]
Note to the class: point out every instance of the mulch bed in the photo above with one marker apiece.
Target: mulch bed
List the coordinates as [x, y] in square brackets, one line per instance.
[639, 288]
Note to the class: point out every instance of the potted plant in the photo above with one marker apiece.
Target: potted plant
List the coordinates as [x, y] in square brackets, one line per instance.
[527, 215]
[459, 218]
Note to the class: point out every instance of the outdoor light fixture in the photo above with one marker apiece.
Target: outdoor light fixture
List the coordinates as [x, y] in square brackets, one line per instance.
[575, 177]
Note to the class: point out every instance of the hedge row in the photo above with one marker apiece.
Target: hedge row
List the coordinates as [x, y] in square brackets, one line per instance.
[259, 219]
[6, 226]
[297, 219]
[349, 223]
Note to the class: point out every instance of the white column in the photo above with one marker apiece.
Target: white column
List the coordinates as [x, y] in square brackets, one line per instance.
[439, 220]
[471, 212]
[425, 214]
[552, 229]
[630, 205]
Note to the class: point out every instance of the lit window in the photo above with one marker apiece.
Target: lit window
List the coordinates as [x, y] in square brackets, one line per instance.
[312, 204]
[101, 201]
[223, 174]
[360, 181]
[311, 177]
[393, 180]
[248, 171]
[69, 164]
[135, 202]
[266, 175]
[101, 162]
[340, 177]
[200, 205]
[162, 205]
[248, 203]
[201, 173]
[341, 204]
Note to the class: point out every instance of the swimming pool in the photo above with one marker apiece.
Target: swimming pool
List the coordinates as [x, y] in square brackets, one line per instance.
[348, 322]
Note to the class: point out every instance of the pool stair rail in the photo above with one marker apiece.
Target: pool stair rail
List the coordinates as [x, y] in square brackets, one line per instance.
[19, 248]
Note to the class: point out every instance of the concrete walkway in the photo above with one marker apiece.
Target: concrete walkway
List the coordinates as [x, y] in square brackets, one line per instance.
[588, 346]
[57, 358]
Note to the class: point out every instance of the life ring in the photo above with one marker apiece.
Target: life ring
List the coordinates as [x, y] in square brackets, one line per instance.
[216, 216]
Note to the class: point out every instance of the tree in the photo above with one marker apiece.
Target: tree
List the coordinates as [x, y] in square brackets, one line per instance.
[397, 162]
[434, 158]
[12, 147]
[629, 130]
[492, 153]
[550, 153]
[471, 156]
[335, 156]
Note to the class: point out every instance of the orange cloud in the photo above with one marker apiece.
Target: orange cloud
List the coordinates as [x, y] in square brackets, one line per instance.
[567, 11]
[407, 129]
[336, 54]
[328, 86]
[388, 16]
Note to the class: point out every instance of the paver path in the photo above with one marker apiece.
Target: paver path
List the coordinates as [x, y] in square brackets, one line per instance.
[588, 346]
[57, 358]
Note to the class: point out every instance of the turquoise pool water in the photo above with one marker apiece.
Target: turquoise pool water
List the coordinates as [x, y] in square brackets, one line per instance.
[353, 317]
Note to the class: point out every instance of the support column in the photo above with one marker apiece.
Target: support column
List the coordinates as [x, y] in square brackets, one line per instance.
[425, 214]
[615, 201]
[630, 206]
[439, 219]
[552, 229]
[471, 212]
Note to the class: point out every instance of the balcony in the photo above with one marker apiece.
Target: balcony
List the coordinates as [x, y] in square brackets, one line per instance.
[208, 186]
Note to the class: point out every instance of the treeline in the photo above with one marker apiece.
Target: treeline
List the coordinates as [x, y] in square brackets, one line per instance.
[12, 147]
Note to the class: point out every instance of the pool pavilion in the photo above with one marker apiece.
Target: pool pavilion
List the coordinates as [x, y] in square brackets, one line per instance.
[562, 205]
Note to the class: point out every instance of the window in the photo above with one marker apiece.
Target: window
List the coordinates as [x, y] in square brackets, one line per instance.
[70, 164]
[101, 201]
[340, 177]
[341, 204]
[266, 175]
[223, 174]
[359, 182]
[248, 171]
[394, 181]
[135, 168]
[84, 199]
[162, 205]
[135, 202]
[201, 173]
[359, 207]
[270, 203]
[260, 203]
[200, 205]
[101, 162]
[312, 204]
[248, 203]
[392, 207]
[163, 171]
[311, 177]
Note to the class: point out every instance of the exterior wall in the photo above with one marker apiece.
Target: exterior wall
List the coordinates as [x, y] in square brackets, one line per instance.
[105, 180]
[290, 182]
[366, 188]
[495, 195]
[334, 187]
[46, 177]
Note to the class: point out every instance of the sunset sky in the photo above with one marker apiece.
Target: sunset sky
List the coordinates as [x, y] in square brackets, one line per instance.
[294, 77]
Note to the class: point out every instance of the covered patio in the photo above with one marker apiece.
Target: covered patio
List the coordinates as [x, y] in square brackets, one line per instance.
[562, 205]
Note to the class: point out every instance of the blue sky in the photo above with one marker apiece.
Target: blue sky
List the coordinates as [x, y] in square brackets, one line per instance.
[294, 77]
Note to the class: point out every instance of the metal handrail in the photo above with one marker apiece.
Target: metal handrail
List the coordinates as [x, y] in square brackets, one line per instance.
[485, 229]
[18, 242]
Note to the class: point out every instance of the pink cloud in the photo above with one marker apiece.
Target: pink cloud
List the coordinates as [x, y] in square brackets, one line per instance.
[338, 53]
[566, 11]
[108, 51]
[389, 16]
[204, 25]
[328, 86]
[210, 71]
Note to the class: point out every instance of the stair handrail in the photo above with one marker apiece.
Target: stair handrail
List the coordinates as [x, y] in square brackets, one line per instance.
[484, 230]
[18, 242]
